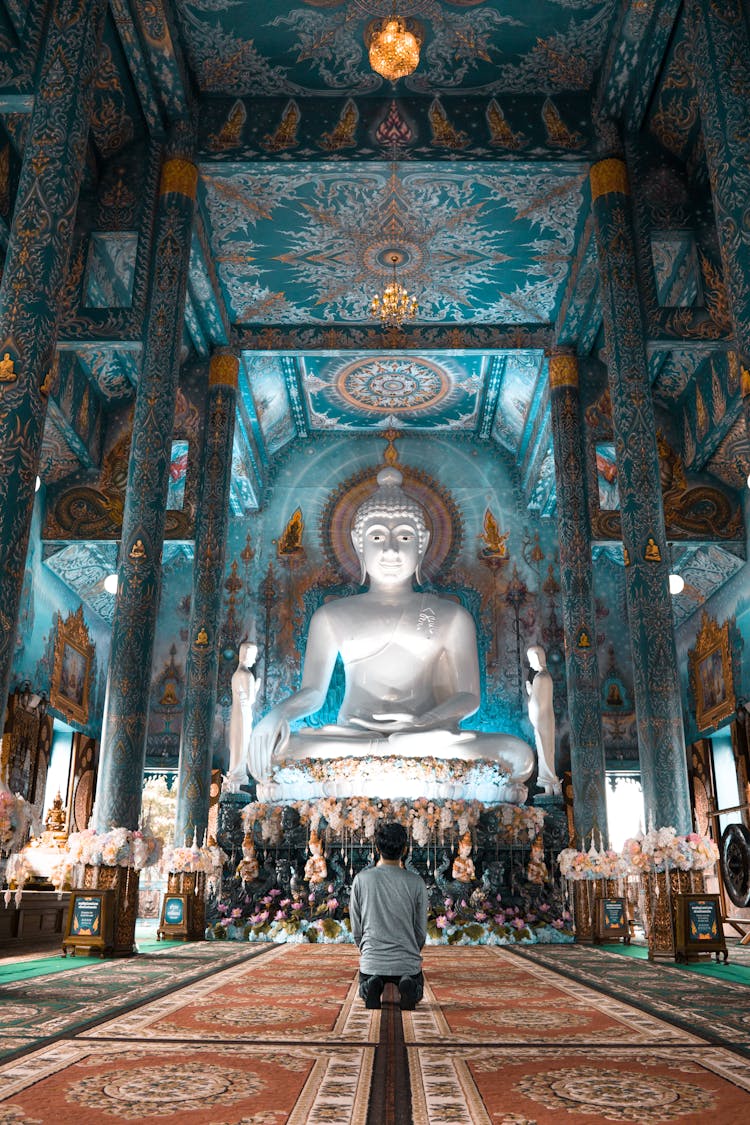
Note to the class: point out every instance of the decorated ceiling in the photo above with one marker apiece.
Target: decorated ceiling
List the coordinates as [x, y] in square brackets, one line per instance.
[487, 46]
[314, 243]
[319, 181]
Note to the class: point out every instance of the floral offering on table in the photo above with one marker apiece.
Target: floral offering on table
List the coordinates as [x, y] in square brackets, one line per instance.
[120, 847]
[208, 859]
[579, 866]
[662, 849]
[16, 818]
[429, 822]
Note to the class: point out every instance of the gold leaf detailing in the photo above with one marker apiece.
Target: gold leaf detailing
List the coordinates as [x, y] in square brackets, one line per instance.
[231, 131]
[179, 176]
[443, 133]
[501, 134]
[344, 134]
[223, 370]
[563, 371]
[286, 133]
[607, 176]
[558, 133]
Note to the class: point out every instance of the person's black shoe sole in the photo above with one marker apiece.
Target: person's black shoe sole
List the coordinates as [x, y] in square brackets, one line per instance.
[373, 991]
[408, 990]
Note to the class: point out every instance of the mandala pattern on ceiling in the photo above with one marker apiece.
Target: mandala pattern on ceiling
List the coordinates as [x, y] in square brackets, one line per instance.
[393, 384]
[314, 243]
[140, 1092]
[619, 1095]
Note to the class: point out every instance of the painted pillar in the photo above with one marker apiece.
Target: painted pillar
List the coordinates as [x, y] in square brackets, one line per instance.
[661, 738]
[194, 770]
[579, 616]
[720, 42]
[36, 266]
[118, 800]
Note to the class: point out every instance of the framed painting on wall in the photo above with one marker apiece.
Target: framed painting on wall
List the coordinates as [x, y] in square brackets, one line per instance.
[71, 671]
[711, 673]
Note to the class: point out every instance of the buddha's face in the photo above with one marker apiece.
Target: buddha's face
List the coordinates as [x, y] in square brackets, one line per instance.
[247, 654]
[391, 549]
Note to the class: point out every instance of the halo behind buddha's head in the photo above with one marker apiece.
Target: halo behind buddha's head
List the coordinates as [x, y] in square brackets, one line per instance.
[389, 500]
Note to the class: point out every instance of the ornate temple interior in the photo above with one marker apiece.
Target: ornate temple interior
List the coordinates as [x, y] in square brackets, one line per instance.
[253, 255]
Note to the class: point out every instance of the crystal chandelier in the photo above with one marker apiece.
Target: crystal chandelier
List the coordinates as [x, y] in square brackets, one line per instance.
[394, 306]
[393, 47]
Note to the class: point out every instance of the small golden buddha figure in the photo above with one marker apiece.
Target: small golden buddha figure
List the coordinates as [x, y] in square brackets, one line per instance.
[652, 552]
[54, 824]
[537, 869]
[316, 869]
[463, 865]
[248, 869]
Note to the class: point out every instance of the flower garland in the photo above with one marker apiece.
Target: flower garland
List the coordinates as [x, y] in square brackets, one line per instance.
[208, 859]
[372, 766]
[662, 849]
[16, 818]
[585, 866]
[428, 821]
[120, 847]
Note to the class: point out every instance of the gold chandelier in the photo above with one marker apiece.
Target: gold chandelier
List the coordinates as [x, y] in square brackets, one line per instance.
[393, 307]
[393, 47]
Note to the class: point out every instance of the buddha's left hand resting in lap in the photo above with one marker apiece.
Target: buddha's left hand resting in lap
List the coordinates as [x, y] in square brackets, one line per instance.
[410, 660]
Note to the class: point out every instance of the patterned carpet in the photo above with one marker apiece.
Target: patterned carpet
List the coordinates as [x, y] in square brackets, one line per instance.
[221, 1035]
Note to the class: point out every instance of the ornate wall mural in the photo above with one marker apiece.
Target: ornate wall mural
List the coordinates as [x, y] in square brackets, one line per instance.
[47, 597]
[314, 243]
[263, 389]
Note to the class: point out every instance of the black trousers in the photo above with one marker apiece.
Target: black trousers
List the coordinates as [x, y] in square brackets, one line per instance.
[364, 978]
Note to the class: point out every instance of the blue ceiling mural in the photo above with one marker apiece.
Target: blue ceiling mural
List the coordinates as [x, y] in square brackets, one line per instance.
[315, 243]
[486, 46]
[398, 391]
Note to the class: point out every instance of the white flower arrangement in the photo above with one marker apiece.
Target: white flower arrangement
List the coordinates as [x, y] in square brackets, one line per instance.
[662, 849]
[119, 847]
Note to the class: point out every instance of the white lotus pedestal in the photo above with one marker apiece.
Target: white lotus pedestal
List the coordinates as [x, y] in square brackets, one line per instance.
[108, 928]
[660, 891]
[183, 914]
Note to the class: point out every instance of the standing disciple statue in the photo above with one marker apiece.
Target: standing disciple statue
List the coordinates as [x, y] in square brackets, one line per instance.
[542, 716]
[410, 661]
[244, 690]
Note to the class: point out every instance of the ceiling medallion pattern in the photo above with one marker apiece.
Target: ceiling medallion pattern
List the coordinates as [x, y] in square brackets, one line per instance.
[311, 243]
[393, 384]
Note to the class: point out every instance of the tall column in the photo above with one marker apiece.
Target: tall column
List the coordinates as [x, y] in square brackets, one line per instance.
[36, 266]
[118, 800]
[720, 42]
[579, 616]
[212, 518]
[661, 739]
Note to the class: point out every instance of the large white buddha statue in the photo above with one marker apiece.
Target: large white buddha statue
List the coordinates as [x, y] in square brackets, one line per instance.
[410, 661]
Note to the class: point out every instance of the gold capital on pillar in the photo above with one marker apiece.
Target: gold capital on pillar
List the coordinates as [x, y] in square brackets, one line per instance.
[223, 370]
[607, 176]
[563, 371]
[178, 175]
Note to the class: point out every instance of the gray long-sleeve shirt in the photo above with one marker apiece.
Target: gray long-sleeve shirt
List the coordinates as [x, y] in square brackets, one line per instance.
[388, 911]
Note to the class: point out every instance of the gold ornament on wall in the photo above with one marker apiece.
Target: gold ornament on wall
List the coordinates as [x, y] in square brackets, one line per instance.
[71, 671]
[711, 674]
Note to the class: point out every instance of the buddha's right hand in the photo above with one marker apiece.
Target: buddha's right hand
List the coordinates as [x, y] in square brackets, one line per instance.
[269, 739]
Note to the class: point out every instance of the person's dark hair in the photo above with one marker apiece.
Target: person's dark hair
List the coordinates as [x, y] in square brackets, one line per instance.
[390, 839]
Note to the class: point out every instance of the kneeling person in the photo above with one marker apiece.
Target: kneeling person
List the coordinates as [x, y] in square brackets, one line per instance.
[388, 910]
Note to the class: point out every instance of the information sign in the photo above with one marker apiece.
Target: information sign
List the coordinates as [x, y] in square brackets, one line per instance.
[699, 927]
